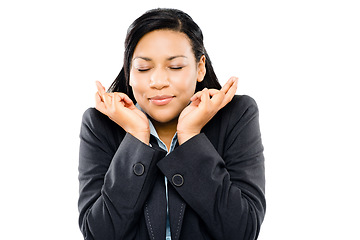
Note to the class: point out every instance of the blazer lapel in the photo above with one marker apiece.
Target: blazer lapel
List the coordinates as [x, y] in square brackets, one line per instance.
[155, 207]
[155, 210]
[176, 211]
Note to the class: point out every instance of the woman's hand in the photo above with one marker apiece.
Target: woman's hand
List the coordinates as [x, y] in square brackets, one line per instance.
[204, 105]
[121, 109]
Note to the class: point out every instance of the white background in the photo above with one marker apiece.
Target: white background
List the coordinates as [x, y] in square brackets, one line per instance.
[300, 60]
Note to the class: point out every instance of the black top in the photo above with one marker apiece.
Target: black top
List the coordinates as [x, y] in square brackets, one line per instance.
[216, 180]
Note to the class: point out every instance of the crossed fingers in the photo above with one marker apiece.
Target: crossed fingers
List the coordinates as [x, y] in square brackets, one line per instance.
[106, 102]
[218, 97]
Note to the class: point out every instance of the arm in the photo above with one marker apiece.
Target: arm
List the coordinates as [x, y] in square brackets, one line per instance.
[111, 193]
[226, 191]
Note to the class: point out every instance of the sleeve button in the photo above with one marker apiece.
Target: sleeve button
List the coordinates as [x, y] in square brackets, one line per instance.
[138, 169]
[178, 180]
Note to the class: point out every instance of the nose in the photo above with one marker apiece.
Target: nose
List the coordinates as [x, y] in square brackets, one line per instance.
[159, 79]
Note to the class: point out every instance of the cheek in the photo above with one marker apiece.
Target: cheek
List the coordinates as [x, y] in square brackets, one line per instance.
[133, 80]
[136, 81]
[137, 87]
[188, 82]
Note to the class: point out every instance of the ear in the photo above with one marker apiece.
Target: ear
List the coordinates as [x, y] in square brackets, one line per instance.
[201, 69]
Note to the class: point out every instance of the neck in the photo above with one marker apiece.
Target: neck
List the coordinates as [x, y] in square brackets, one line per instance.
[166, 131]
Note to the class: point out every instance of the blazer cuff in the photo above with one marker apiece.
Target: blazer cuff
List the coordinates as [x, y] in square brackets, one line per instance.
[132, 172]
[193, 165]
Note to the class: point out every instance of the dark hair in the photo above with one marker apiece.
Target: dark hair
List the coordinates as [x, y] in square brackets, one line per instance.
[163, 18]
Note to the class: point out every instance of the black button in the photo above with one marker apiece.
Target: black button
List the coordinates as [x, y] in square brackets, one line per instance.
[139, 169]
[178, 180]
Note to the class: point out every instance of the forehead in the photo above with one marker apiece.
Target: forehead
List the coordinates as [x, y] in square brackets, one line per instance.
[163, 44]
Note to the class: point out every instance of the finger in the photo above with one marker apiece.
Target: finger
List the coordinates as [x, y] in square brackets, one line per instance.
[98, 98]
[196, 96]
[228, 84]
[107, 98]
[120, 98]
[100, 88]
[225, 95]
[114, 97]
[99, 104]
[231, 92]
[124, 99]
[205, 97]
[195, 99]
[195, 102]
[213, 91]
[217, 97]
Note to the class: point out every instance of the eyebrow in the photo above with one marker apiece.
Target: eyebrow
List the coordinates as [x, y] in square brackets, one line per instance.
[168, 59]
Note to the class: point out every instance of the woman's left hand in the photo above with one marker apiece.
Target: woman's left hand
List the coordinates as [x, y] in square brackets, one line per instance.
[204, 105]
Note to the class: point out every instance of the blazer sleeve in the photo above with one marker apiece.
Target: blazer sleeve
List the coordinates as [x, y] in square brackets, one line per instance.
[227, 191]
[114, 180]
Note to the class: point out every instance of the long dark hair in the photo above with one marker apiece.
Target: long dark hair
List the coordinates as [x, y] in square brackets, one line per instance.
[163, 18]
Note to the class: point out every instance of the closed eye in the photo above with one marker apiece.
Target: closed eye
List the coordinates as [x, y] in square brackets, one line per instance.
[176, 68]
[143, 69]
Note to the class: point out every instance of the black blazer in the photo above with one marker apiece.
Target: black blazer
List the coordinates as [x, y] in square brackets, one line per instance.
[216, 180]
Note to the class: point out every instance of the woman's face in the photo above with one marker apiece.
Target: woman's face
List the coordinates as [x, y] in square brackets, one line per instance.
[164, 73]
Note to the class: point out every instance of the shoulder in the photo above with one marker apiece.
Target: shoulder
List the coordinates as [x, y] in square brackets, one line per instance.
[242, 101]
[232, 119]
[241, 114]
[240, 106]
[95, 121]
[240, 119]
[97, 125]
[92, 117]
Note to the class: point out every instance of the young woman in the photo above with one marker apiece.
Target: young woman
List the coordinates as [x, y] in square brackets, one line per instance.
[168, 153]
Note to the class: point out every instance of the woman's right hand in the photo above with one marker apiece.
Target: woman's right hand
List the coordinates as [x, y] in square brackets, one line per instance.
[121, 109]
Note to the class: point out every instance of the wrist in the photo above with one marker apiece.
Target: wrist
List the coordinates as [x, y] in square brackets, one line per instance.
[143, 136]
[185, 136]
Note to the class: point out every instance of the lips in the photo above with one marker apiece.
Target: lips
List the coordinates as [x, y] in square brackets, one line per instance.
[161, 100]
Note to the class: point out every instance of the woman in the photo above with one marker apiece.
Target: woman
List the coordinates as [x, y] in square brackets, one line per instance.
[168, 153]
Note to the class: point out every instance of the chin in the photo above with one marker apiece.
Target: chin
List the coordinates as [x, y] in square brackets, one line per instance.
[163, 117]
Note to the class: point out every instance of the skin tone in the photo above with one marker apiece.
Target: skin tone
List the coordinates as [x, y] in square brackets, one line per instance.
[163, 76]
